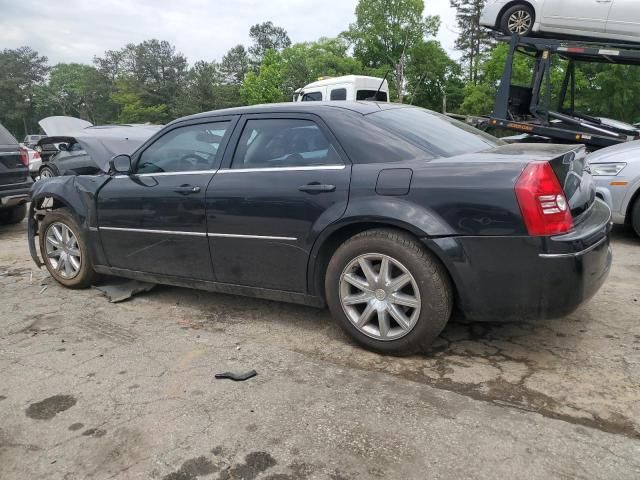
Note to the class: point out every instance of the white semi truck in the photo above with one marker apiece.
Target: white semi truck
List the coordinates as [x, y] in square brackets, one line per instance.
[349, 87]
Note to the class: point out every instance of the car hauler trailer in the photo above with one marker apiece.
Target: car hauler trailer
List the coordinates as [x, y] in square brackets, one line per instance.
[528, 109]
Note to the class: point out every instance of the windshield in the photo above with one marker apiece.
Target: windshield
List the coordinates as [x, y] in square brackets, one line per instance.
[436, 133]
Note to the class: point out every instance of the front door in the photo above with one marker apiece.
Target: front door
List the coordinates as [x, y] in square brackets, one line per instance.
[153, 220]
[624, 18]
[285, 182]
[577, 15]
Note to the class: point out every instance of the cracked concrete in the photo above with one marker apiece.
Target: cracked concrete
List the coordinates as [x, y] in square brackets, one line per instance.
[93, 390]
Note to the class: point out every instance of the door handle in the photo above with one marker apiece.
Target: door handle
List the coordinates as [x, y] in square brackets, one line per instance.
[187, 189]
[316, 187]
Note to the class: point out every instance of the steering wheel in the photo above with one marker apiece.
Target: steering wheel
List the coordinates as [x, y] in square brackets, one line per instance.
[191, 162]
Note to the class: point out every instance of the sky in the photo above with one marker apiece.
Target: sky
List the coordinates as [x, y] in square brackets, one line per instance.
[76, 30]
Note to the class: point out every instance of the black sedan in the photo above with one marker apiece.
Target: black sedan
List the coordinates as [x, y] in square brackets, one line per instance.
[391, 215]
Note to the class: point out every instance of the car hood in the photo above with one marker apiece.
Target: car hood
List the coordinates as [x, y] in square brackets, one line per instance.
[63, 126]
[623, 152]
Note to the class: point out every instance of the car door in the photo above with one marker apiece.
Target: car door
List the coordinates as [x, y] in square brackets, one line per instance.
[624, 19]
[153, 220]
[285, 181]
[578, 15]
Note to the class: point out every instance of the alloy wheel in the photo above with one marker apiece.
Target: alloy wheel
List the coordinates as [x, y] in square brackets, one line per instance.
[520, 22]
[380, 296]
[46, 173]
[62, 250]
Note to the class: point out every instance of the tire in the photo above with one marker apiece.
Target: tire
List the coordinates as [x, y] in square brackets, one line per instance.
[84, 275]
[13, 215]
[524, 18]
[635, 217]
[429, 289]
[48, 171]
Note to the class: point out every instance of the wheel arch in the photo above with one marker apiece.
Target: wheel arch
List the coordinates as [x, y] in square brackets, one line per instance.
[333, 237]
[513, 4]
[635, 197]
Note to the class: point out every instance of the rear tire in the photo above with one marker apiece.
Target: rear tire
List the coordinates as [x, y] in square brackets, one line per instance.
[398, 309]
[635, 217]
[13, 215]
[518, 19]
[65, 254]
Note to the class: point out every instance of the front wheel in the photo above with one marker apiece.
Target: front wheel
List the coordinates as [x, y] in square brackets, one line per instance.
[64, 250]
[48, 172]
[518, 20]
[635, 217]
[388, 293]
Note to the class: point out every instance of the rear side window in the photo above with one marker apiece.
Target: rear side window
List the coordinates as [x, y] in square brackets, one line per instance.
[433, 132]
[371, 95]
[339, 94]
[6, 138]
[274, 143]
[312, 97]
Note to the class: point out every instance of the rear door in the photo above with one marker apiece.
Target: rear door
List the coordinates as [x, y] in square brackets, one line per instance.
[581, 15]
[12, 169]
[624, 18]
[153, 220]
[285, 181]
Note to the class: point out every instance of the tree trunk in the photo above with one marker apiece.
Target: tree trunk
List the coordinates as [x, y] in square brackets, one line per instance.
[399, 77]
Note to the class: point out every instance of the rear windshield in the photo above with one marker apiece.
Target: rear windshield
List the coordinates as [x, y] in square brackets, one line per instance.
[436, 133]
[6, 138]
[371, 95]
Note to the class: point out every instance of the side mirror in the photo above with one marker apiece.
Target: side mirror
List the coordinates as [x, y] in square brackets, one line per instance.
[120, 164]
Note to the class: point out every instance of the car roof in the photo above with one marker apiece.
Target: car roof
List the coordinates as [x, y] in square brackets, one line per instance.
[362, 107]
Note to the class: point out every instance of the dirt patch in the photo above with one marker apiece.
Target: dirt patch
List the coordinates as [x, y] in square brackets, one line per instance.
[49, 407]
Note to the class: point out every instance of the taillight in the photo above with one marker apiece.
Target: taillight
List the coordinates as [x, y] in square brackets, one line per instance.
[24, 156]
[544, 207]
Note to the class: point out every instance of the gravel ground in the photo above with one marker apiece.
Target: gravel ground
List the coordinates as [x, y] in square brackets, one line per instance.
[90, 389]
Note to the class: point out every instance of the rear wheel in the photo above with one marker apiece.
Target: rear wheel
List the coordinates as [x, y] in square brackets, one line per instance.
[13, 215]
[518, 19]
[635, 217]
[64, 250]
[48, 172]
[388, 293]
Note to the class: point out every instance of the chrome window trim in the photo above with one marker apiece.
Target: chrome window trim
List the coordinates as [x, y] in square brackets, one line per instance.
[257, 237]
[576, 254]
[282, 169]
[165, 174]
[197, 234]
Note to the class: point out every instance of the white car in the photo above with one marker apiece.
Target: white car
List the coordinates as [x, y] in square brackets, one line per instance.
[617, 20]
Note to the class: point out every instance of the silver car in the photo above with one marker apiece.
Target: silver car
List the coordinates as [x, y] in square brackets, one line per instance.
[616, 171]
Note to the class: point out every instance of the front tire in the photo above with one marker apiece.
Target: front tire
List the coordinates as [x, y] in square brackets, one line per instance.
[64, 250]
[48, 172]
[518, 20]
[388, 293]
[635, 217]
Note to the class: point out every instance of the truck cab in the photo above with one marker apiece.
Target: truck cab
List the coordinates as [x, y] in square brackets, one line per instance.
[349, 87]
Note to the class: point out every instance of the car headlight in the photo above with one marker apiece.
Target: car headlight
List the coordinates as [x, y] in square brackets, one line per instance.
[607, 169]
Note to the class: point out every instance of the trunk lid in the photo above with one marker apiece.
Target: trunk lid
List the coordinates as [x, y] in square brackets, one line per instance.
[12, 170]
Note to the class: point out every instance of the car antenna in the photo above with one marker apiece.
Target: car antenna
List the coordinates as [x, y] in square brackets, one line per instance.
[375, 97]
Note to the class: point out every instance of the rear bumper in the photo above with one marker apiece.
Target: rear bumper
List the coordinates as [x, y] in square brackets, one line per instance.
[529, 278]
[16, 194]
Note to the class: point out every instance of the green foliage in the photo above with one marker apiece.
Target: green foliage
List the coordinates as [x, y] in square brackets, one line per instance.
[265, 85]
[385, 31]
[473, 40]
[266, 36]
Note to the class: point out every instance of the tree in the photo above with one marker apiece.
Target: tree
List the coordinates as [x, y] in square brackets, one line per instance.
[206, 90]
[473, 40]
[235, 65]
[385, 31]
[266, 36]
[22, 72]
[265, 85]
[433, 76]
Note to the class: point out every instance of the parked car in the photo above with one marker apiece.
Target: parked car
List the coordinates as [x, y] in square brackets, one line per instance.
[88, 152]
[390, 214]
[616, 171]
[15, 181]
[30, 141]
[617, 20]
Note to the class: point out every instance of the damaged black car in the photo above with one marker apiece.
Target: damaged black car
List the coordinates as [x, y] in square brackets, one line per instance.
[391, 215]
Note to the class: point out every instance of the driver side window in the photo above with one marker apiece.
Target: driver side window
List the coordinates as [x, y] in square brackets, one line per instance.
[185, 149]
[273, 143]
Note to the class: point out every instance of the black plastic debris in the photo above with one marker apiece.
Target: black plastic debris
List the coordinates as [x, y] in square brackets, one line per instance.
[120, 290]
[237, 377]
